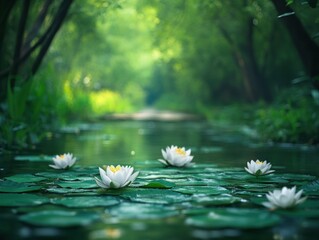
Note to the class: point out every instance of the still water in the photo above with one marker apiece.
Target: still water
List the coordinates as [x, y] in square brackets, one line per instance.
[135, 142]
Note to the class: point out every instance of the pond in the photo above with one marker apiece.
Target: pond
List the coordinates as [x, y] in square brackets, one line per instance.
[213, 199]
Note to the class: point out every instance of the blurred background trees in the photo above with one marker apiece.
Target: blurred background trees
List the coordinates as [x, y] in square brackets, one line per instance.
[85, 59]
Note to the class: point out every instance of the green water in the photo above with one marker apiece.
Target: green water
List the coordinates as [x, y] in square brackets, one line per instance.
[139, 144]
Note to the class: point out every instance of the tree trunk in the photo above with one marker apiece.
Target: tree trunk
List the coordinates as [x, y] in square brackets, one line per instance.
[306, 47]
[253, 81]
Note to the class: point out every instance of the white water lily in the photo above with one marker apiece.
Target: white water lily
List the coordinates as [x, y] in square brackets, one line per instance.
[175, 156]
[116, 177]
[284, 198]
[258, 168]
[63, 161]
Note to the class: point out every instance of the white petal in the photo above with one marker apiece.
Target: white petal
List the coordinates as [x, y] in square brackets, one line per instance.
[55, 166]
[133, 176]
[100, 183]
[164, 154]
[162, 161]
[105, 179]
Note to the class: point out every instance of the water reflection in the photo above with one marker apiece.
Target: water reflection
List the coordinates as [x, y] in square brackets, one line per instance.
[130, 142]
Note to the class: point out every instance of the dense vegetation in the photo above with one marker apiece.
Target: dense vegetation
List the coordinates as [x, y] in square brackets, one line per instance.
[187, 55]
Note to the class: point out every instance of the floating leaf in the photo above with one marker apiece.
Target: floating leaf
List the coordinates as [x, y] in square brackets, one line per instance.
[143, 211]
[14, 187]
[312, 188]
[215, 200]
[59, 218]
[90, 183]
[155, 196]
[159, 184]
[70, 191]
[297, 177]
[24, 178]
[209, 190]
[234, 218]
[64, 175]
[23, 199]
[86, 201]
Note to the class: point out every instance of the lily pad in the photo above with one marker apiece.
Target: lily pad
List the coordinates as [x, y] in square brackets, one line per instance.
[155, 196]
[312, 188]
[59, 218]
[234, 218]
[215, 200]
[14, 187]
[66, 175]
[209, 190]
[90, 183]
[24, 178]
[24, 199]
[143, 211]
[159, 184]
[71, 191]
[86, 201]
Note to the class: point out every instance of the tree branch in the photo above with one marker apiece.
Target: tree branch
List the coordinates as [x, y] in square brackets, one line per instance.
[58, 20]
[19, 38]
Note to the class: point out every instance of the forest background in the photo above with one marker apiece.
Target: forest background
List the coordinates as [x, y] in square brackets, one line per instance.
[245, 61]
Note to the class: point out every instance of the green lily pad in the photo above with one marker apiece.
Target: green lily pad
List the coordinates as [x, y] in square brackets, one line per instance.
[23, 199]
[86, 201]
[66, 175]
[71, 191]
[234, 218]
[209, 190]
[14, 187]
[59, 218]
[143, 211]
[24, 178]
[90, 183]
[157, 176]
[155, 196]
[312, 188]
[215, 200]
[159, 184]
[298, 177]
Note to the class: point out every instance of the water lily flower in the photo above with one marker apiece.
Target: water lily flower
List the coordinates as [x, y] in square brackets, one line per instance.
[284, 198]
[258, 168]
[175, 156]
[63, 161]
[116, 177]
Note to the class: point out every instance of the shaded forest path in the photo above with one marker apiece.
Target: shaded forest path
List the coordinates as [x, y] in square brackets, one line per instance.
[151, 114]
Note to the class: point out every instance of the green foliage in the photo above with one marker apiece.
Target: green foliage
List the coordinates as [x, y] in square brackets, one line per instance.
[294, 119]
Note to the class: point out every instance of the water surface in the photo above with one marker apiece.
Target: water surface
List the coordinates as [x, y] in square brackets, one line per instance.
[136, 142]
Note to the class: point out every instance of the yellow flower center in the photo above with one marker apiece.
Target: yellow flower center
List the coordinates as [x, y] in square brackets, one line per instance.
[61, 156]
[259, 162]
[180, 151]
[115, 169]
